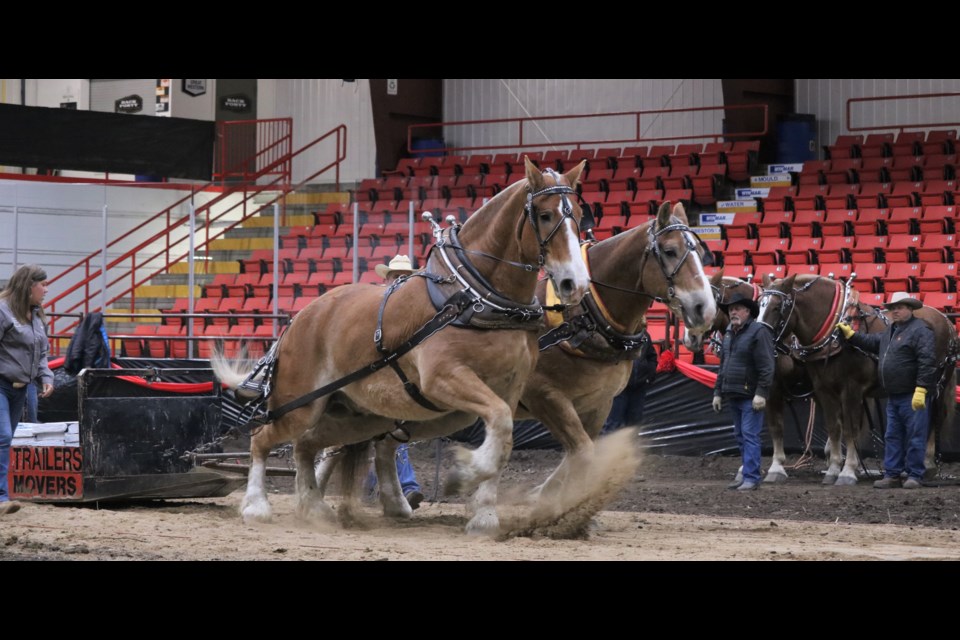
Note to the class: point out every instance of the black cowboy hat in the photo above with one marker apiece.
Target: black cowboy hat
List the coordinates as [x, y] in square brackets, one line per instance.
[739, 298]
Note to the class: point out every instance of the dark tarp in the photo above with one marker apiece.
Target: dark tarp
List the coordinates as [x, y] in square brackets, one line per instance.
[679, 419]
[109, 142]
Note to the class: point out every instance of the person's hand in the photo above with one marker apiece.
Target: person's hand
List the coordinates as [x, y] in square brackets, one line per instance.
[47, 390]
[759, 402]
[919, 399]
[845, 329]
[717, 404]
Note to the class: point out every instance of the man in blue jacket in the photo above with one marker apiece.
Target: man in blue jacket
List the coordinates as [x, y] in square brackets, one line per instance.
[908, 372]
[743, 382]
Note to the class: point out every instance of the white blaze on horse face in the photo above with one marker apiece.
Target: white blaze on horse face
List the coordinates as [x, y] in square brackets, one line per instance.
[570, 275]
[764, 306]
[699, 305]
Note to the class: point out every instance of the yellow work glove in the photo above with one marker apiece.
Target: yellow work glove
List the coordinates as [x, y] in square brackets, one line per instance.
[717, 404]
[759, 403]
[845, 329]
[919, 399]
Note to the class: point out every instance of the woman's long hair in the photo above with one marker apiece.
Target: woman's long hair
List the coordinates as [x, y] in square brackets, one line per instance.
[17, 293]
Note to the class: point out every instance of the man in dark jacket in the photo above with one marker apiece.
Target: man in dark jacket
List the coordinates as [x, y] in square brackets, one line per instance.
[627, 406]
[908, 372]
[743, 382]
[89, 346]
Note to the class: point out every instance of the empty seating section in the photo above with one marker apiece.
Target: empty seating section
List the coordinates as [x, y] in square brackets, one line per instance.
[879, 206]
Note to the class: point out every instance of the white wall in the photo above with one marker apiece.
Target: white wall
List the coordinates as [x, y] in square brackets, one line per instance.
[51, 92]
[482, 99]
[317, 106]
[827, 100]
[184, 105]
[58, 225]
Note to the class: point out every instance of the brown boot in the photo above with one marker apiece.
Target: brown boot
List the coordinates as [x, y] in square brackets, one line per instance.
[9, 507]
[887, 483]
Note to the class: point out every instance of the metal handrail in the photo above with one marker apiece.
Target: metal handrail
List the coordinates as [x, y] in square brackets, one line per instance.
[341, 142]
[899, 127]
[637, 136]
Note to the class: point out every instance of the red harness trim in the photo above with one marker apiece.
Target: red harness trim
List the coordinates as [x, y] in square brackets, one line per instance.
[832, 316]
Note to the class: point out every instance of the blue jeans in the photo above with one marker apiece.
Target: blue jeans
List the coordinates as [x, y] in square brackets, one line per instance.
[905, 441]
[627, 409]
[30, 409]
[11, 408]
[747, 425]
[408, 479]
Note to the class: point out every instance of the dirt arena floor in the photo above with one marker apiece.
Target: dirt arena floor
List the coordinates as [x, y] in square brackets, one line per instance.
[669, 508]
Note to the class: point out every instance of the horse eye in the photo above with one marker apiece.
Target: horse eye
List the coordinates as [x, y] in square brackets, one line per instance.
[544, 216]
[671, 253]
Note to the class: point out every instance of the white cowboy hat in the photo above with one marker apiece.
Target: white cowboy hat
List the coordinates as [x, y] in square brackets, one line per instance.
[399, 263]
[902, 297]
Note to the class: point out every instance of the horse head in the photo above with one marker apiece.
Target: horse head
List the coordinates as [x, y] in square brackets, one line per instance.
[554, 216]
[679, 255]
[694, 341]
[777, 303]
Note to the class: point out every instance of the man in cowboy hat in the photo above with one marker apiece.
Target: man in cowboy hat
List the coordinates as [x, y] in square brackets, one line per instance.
[907, 372]
[743, 382]
[400, 265]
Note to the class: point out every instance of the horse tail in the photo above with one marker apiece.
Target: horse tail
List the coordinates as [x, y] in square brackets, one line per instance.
[232, 373]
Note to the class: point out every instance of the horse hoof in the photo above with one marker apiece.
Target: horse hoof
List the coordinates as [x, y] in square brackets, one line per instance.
[775, 477]
[829, 479]
[845, 481]
[484, 523]
[255, 512]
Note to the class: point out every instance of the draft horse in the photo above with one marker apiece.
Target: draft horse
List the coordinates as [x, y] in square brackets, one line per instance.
[424, 372]
[572, 389]
[802, 310]
[587, 349]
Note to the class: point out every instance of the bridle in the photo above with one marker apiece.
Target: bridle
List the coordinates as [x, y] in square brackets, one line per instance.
[654, 248]
[828, 334]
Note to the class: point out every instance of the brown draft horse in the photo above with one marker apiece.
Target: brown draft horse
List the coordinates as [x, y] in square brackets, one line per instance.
[461, 372]
[802, 311]
[789, 374]
[572, 388]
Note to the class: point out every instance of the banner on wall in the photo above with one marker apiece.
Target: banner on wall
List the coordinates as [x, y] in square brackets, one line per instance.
[163, 97]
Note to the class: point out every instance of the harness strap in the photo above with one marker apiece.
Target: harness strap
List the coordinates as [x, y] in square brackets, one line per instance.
[412, 390]
[445, 316]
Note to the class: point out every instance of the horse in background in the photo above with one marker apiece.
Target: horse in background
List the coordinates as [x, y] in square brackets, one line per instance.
[481, 275]
[803, 311]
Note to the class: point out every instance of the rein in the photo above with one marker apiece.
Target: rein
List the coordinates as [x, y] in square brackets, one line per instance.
[826, 336]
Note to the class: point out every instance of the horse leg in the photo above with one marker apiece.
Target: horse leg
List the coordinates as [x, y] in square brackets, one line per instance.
[395, 505]
[463, 389]
[774, 418]
[559, 416]
[832, 414]
[255, 507]
[325, 467]
[310, 504]
[354, 466]
[852, 408]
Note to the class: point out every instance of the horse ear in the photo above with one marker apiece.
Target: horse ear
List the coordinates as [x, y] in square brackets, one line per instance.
[534, 177]
[663, 215]
[717, 278]
[788, 282]
[573, 176]
[680, 213]
[766, 280]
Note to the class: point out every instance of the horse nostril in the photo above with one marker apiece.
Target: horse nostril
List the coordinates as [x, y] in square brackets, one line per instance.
[566, 287]
[699, 310]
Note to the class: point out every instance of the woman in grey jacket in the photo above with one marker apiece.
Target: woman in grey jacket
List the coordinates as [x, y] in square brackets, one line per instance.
[907, 371]
[23, 359]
